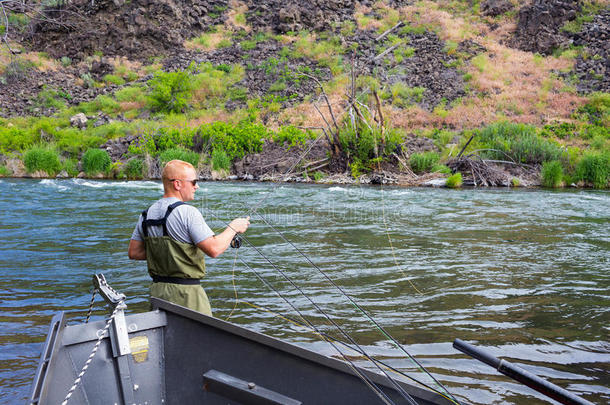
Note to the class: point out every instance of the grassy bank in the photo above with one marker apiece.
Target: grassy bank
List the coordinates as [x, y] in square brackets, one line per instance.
[515, 106]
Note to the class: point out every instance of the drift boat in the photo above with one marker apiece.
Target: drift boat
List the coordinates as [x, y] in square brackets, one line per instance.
[178, 356]
[173, 355]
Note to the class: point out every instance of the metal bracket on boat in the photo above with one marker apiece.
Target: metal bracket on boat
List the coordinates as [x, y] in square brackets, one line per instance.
[119, 337]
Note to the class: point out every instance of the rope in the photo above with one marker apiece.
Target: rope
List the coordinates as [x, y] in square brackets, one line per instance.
[91, 305]
[92, 355]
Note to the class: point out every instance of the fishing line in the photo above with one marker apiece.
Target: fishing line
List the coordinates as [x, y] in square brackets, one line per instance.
[376, 149]
[321, 311]
[351, 300]
[234, 286]
[321, 334]
[347, 345]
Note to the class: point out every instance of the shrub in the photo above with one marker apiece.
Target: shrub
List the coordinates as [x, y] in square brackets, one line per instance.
[235, 140]
[454, 181]
[169, 91]
[96, 161]
[114, 79]
[134, 168]
[180, 154]
[552, 174]
[423, 162]
[42, 158]
[520, 142]
[220, 160]
[594, 169]
[292, 136]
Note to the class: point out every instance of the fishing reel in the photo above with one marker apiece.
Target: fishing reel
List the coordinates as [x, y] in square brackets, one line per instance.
[236, 242]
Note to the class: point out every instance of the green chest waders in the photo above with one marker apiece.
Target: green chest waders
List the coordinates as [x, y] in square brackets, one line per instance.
[175, 267]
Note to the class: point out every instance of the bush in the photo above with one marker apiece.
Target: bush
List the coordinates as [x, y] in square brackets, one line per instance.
[594, 169]
[235, 140]
[423, 162]
[134, 169]
[220, 160]
[169, 91]
[96, 161]
[42, 158]
[180, 154]
[454, 181]
[520, 142]
[292, 136]
[552, 174]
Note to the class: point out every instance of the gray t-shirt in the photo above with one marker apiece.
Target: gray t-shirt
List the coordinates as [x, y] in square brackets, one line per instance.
[185, 223]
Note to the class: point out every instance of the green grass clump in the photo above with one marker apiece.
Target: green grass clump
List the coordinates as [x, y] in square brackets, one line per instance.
[114, 79]
[131, 94]
[71, 167]
[552, 174]
[42, 158]
[403, 95]
[440, 169]
[423, 162]
[454, 181]
[594, 168]
[5, 171]
[96, 161]
[180, 154]
[134, 168]
[519, 142]
[596, 110]
[220, 160]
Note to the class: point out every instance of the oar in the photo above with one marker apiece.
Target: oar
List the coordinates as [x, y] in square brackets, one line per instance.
[521, 375]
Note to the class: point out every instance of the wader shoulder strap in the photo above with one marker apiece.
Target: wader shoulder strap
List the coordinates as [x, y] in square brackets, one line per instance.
[158, 222]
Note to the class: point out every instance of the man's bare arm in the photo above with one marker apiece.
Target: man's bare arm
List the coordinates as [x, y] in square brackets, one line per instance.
[217, 244]
[137, 250]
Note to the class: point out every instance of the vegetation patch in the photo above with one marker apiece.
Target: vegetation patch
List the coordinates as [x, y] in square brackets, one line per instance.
[43, 158]
[96, 161]
[552, 174]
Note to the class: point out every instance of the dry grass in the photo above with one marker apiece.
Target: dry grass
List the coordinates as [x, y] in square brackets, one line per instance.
[210, 43]
[122, 63]
[237, 8]
[131, 105]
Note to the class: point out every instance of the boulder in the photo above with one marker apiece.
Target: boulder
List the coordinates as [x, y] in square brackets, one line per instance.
[495, 7]
[79, 121]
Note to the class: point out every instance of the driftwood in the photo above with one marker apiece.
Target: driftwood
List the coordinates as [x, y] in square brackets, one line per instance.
[382, 36]
[483, 174]
[384, 53]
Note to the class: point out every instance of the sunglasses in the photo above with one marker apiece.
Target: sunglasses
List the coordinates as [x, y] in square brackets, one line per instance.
[193, 182]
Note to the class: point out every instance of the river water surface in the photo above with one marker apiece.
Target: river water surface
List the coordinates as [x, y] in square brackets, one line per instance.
[522, 273]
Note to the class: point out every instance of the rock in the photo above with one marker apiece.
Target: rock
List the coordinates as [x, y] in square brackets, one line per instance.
[435, 183]
[62, 175]
[81, 175]
[538, 28]
[38, 174]
[79, 121]
[495, 7]
[16, 167]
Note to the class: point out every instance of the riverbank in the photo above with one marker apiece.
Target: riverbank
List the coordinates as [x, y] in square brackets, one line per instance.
[482, 95]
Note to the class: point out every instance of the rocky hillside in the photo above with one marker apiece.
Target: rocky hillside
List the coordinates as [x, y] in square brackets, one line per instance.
[433, 70]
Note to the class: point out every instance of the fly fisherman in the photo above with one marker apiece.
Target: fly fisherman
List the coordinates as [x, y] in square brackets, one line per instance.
[172, 237]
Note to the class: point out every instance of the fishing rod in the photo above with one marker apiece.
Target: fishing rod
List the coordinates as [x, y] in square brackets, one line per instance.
[327, 336]
[405, 394]
[357, 306]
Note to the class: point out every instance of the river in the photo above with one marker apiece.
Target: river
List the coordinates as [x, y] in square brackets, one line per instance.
[522, 273]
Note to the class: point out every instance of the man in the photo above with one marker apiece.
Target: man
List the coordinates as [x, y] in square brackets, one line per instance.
[173, 237]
